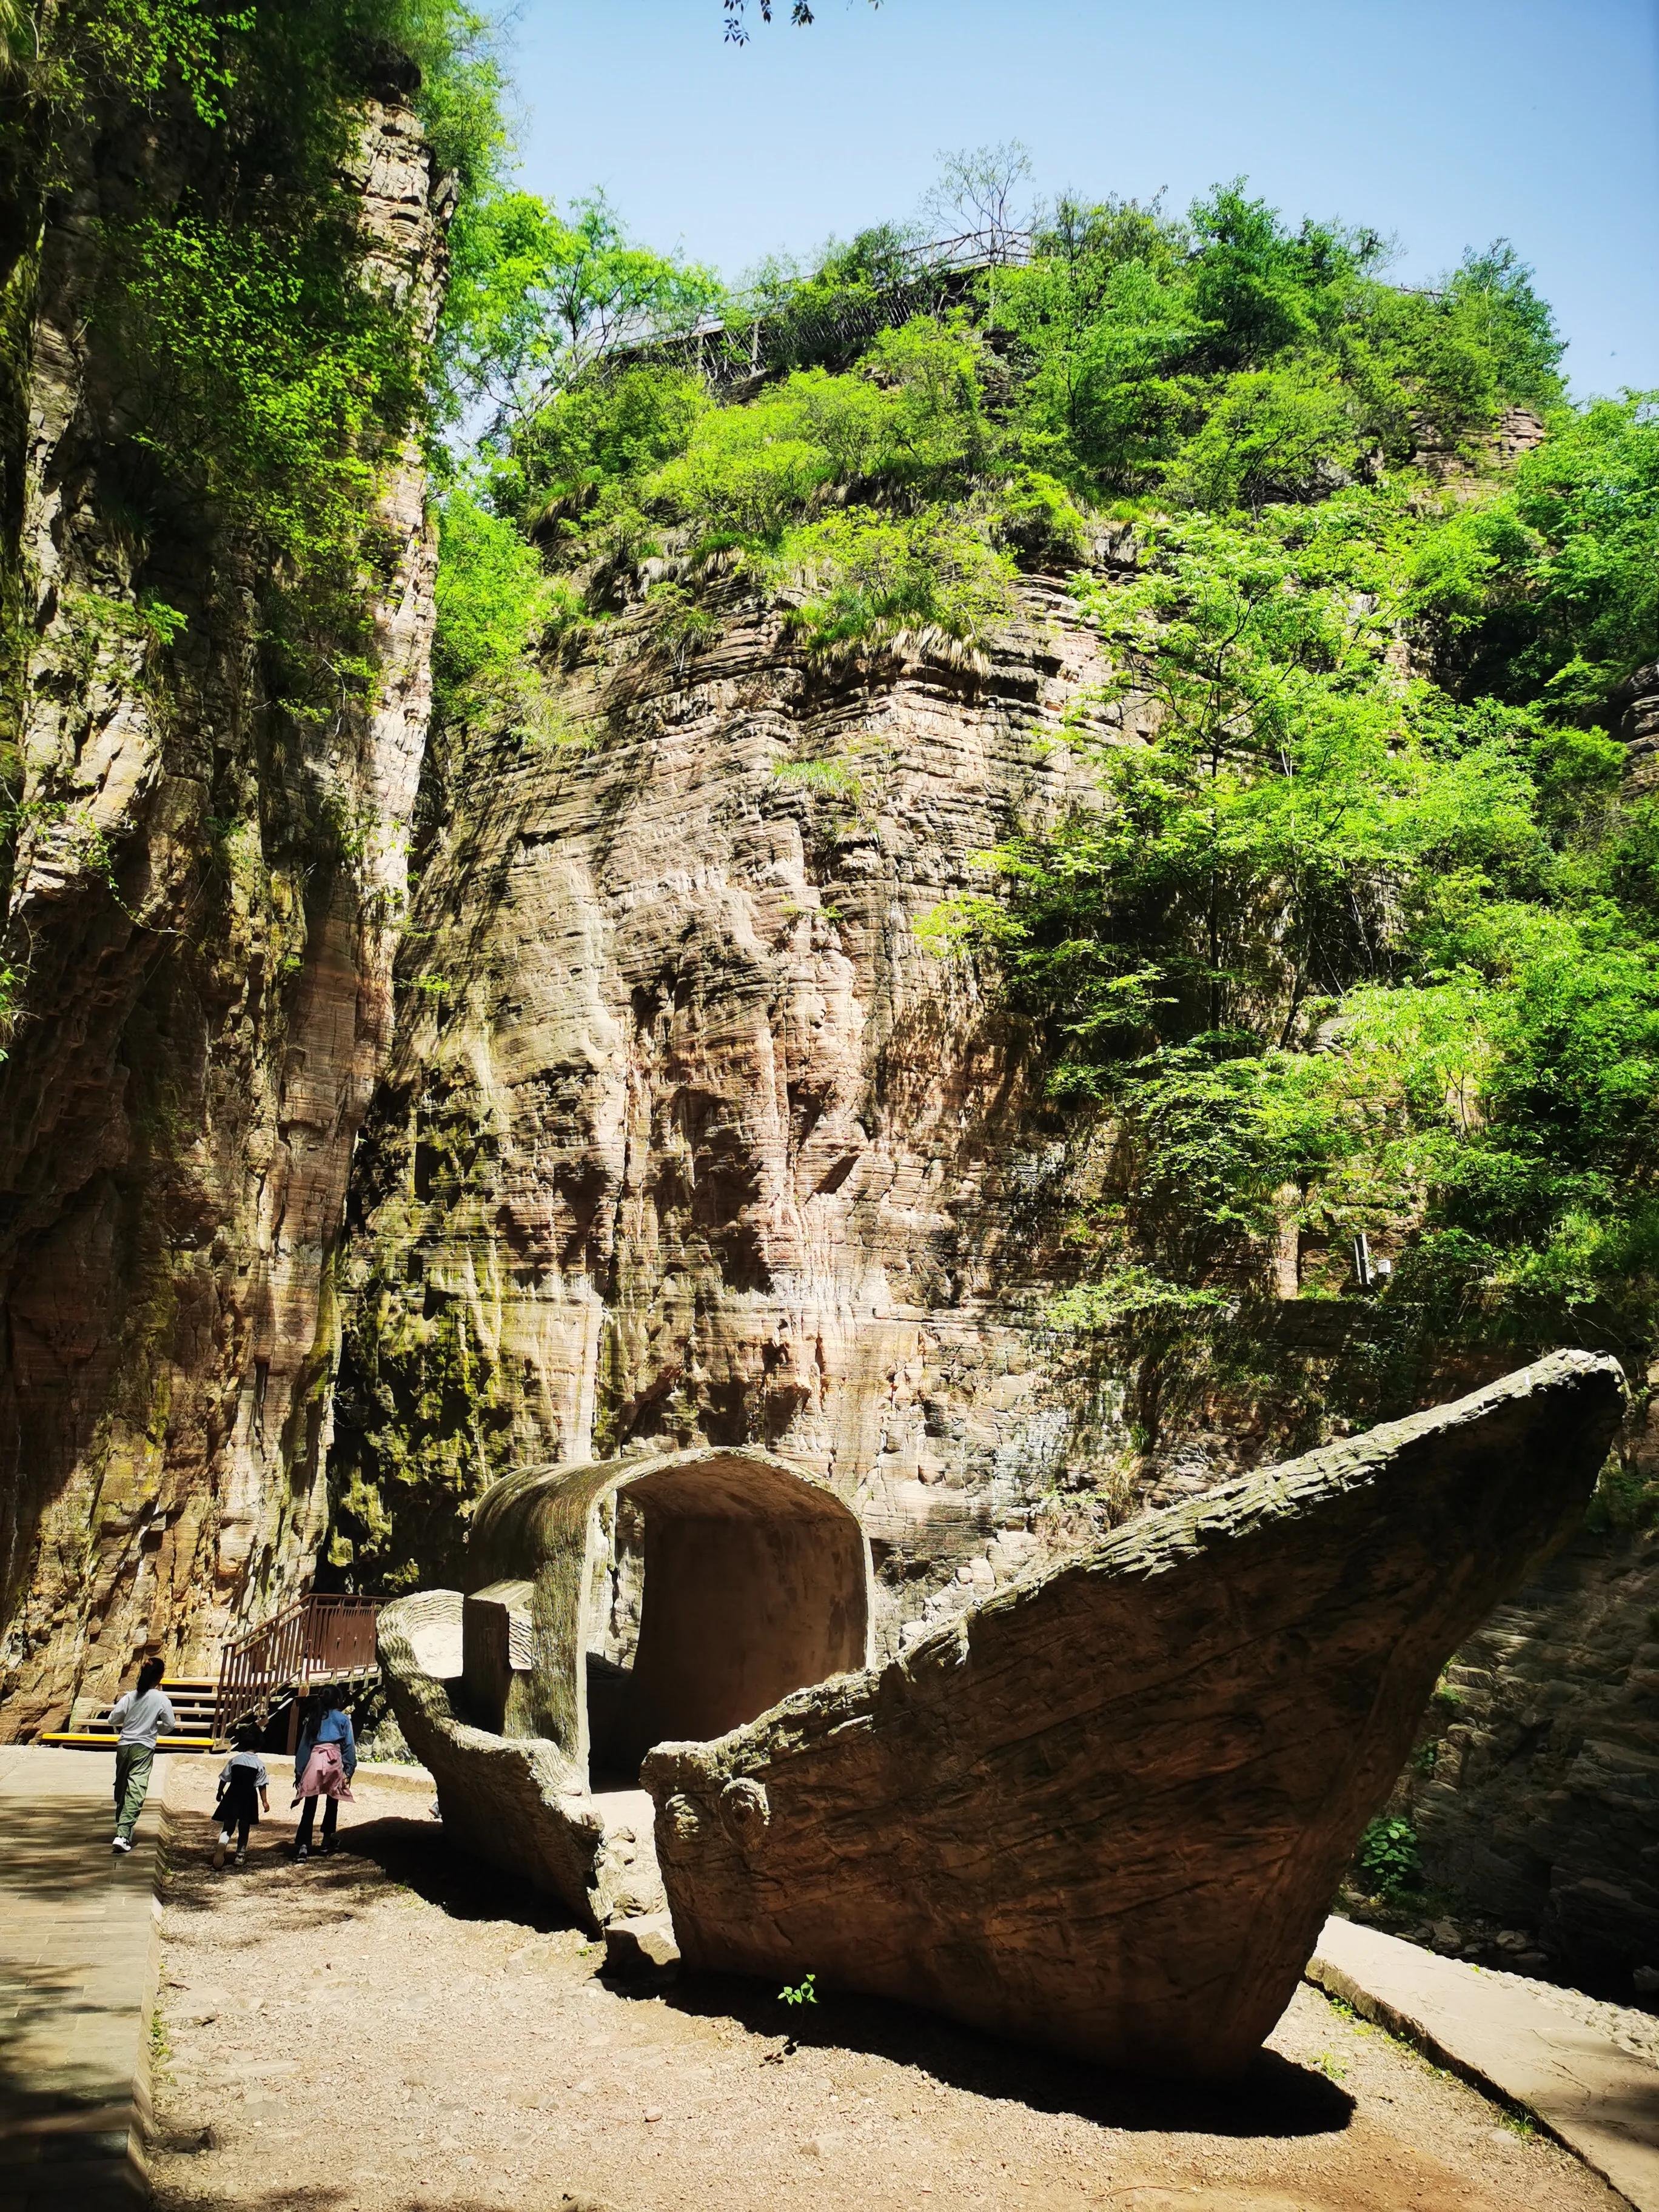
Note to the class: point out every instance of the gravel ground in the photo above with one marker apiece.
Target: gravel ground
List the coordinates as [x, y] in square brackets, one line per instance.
[397, 2028]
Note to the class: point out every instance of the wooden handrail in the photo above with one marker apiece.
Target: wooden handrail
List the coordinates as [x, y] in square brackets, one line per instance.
[313, 1639]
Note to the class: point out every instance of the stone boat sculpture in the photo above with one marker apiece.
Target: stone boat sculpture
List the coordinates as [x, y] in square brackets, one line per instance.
[1104, 1810]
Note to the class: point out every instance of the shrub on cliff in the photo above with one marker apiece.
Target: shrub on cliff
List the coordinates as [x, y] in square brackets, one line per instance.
[1359, 937]
[1345, 950]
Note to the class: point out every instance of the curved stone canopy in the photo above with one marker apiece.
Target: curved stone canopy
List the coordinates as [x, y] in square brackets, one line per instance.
[757, 1583]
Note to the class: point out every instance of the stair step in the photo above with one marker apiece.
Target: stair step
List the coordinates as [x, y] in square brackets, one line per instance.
[202, 1716]
[104, 1740]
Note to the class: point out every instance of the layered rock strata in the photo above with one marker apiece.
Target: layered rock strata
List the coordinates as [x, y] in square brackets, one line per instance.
[1636, 724]
[1537, 1798]
[201, 909]
[689, 1139]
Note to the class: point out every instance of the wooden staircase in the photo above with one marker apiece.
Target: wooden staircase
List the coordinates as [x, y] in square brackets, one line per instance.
[314, 1642]
[192, 1697]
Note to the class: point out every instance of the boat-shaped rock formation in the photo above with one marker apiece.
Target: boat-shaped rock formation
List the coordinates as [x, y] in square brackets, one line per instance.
[1104, 1810]
[1107, 1810]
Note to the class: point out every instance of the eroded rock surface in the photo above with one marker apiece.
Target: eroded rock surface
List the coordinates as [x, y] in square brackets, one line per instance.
[202, 913]
[687, 1139]
[1542, 1803]
[514, 1802]
[1107, 1809]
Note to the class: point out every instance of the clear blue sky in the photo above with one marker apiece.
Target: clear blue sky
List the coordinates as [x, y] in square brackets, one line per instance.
[1448, 123]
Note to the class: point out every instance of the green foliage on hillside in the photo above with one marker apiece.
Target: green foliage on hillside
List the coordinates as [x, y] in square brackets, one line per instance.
[1225, 362]
[1551, 590]
[268, 369]
[1346, 950]
[1363, 934]
[535, 298]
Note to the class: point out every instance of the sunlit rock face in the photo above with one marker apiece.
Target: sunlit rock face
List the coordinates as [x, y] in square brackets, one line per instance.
[200, 921]
[689, 1139]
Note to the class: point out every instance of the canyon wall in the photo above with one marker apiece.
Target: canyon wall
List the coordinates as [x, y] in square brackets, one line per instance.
[692, 1130]
[687, 1137]
[1542, 1803]
[200, 917]
[693, 1133]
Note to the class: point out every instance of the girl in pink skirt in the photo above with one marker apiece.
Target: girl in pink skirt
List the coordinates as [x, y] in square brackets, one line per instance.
[323, 1767]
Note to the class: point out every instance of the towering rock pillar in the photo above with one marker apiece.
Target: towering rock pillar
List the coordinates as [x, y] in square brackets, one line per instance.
[203, 907]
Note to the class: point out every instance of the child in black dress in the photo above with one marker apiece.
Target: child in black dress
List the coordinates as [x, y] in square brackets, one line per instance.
[243, 1775]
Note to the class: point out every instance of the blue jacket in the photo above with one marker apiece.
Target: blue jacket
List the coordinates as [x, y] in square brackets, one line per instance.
[335, 1727]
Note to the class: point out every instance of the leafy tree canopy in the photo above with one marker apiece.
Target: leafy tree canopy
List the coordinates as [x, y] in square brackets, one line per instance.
[535, 298]
[1358, 930]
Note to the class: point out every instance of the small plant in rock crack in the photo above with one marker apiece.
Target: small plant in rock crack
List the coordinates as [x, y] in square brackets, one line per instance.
[682, 628]
[802, 1993]
[1387, 1856]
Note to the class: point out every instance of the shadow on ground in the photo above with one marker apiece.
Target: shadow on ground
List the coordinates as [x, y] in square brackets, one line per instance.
[65, 1842]
[412, 1854]
[415, 1854]
[1275, 2098]
[320, 2197]
[65, 2083]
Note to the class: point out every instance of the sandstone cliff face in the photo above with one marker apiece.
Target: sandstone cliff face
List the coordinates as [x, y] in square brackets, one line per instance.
[201, 918]
[1542, 1803]
[687, 1138]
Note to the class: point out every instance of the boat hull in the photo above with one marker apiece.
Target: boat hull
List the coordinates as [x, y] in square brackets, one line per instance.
[1107, 1809]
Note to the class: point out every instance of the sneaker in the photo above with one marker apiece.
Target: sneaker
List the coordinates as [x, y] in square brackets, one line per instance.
[241, 1855]
[122, 1844]
[301, 1852]
[219, 1851]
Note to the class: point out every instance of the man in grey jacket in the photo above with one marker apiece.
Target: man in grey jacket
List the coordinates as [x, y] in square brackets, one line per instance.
[138, 1719]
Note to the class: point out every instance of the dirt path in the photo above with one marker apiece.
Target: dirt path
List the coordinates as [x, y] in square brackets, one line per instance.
[395, 2028]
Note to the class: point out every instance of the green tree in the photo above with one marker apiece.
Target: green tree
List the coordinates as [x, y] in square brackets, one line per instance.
[535, 298]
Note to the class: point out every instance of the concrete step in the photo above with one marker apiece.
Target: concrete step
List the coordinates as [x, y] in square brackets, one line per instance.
[1591, 2094]
[106, 1740]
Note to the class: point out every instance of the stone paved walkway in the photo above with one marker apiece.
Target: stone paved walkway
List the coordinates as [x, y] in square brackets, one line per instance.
[1600, 2101]
[78, 1961]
